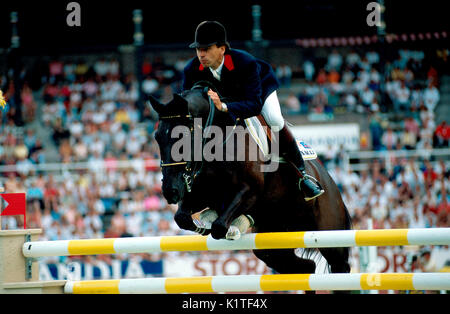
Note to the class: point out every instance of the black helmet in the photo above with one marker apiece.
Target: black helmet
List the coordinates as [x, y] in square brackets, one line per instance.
[210, 33]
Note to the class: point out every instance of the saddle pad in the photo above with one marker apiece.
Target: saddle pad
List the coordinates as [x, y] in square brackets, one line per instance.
[259, 135]
[307, 151]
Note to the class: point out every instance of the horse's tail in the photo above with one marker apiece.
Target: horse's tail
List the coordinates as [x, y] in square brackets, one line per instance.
[315, 254]
[348, 224]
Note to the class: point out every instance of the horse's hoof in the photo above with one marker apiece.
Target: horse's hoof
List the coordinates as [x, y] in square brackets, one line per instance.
[218, 230]
[233, 233]
[184, 221]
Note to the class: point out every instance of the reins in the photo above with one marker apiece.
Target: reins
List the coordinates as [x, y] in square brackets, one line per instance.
[190, 174]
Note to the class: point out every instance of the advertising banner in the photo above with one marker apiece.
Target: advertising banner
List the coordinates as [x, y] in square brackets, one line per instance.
[325, 136]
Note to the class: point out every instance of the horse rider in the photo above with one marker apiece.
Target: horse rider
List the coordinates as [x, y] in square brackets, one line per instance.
[250, 83]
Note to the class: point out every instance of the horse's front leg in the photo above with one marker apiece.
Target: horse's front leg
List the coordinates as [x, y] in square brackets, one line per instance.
[183, 216]
[244, 199]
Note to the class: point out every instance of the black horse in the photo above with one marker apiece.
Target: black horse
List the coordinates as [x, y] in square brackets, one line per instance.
[234, 187]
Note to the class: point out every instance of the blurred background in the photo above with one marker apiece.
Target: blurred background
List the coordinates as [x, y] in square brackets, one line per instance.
[77, 137]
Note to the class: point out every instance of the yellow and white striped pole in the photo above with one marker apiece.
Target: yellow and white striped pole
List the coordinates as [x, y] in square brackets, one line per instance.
[254, 283]
[251, 241]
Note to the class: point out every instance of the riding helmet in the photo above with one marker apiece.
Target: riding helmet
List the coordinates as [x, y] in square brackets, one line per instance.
[210, 33]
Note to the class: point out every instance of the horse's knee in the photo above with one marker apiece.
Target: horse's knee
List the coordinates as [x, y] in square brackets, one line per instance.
[184, 220]
[219, 229]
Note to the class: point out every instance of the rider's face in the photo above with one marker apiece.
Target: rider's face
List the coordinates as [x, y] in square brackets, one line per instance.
[211, 56]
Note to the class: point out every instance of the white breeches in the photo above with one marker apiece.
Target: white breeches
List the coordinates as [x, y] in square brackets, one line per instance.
[271, 112]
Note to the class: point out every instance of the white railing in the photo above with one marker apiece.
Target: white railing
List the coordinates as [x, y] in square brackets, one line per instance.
[365, 157]
[139, 164]
[95, 165]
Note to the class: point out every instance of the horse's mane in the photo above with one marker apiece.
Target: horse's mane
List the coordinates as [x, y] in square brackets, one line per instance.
[201, 88]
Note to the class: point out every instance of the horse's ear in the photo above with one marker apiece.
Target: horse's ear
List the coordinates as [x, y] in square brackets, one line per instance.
[181, 103]
[155, 104]
[179, 100]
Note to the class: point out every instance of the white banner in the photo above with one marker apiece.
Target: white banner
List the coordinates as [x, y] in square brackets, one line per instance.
[323, 136]
[210, 264]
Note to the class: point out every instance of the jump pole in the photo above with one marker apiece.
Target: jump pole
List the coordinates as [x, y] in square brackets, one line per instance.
[251, 241]
[253, 283]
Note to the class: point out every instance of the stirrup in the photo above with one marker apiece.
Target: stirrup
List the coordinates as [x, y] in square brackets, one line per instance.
[315, 196]
[305, 175]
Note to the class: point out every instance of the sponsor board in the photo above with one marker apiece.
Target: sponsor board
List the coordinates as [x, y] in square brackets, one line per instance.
[322, 137]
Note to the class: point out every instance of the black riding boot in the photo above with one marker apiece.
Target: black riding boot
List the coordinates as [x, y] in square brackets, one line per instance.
[289, 149]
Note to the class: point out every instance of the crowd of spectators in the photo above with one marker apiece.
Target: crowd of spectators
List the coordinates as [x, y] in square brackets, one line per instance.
[93, 114]
[357, 81]
[400, 96]
[408, 194]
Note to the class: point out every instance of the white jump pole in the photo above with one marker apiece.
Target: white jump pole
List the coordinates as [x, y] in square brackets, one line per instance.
[277, 240]
[253, 283]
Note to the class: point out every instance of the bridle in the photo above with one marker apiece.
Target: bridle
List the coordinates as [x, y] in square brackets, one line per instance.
[190, 171]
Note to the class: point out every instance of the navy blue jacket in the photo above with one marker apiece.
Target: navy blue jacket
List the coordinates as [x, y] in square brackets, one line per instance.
[245, 82]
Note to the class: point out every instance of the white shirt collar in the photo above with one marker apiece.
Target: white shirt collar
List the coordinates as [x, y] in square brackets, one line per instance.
[218, 71]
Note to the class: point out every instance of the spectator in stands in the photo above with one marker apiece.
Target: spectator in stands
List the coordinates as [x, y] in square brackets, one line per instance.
[150, 86]
[352, 60]
[367, 97]
[432, 75]
[90, 87]
[102, 68]
[416, 98]
[333, 99]
[347, 76]
[410, 133]
[373, 57]
[56, 71]
[69, 72]
[309, 70]
[59, 132]
[359, 85]
[401, 98]
[442, 135]
[350, 101]
[321, 78]
[284, 75]
[374, 77]
[28, 103]
[333, 77]
[431, 97]
[81, 69]
[335, 61]
[114, 68]
[389, 139]
[292, 104]
[319, 102]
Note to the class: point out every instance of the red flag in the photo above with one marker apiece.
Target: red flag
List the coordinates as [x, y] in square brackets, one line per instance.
[17, 205]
